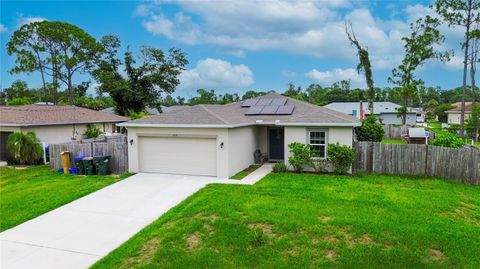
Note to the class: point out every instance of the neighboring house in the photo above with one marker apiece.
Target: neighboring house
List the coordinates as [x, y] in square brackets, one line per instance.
[149, 110]
[453, 115]
[52, 124]
[385, 111]
[220, 140]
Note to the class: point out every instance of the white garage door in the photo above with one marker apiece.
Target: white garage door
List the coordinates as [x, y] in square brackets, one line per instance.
[178, 155]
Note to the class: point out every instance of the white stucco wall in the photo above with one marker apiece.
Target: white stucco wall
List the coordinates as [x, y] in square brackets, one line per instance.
[393, 118]
[454, 118]
[262, 138]
[342, 135]
[221, 136]
[243, 143]
[54, 134]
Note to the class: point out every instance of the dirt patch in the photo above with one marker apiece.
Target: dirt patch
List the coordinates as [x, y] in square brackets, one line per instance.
[325, 219]
[435, 255]
[331, 255]
[193, 241]
[266, 229]
[330, 238]
[145, 255]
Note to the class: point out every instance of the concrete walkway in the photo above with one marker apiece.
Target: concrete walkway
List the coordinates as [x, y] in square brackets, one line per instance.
[78, 234]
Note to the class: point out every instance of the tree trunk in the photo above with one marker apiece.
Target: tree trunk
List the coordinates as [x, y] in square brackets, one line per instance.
[43, 77]
[70, 88]
[473, 69]
[465, 67]
[404, 113]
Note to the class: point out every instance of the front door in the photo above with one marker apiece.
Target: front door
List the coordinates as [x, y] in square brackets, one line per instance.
[276, 143]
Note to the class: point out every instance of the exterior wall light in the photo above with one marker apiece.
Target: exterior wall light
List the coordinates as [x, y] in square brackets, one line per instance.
[131, 142]
[221, 145]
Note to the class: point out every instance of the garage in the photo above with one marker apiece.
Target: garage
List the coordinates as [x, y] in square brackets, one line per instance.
[4, 153]
[178, 155]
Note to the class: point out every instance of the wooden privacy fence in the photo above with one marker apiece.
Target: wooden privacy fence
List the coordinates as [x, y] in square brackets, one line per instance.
[462, 164]
[394, 132]
[118, 151]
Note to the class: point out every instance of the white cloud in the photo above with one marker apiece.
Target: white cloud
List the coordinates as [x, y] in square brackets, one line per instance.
[26, 20]
[216, 74]
[327, 78]
[314, 28]
[3, 29]
[288, 73]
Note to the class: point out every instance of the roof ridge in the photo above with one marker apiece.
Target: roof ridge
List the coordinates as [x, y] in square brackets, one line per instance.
[213, 114]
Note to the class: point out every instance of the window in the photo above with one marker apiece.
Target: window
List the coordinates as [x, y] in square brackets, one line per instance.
[317, 139]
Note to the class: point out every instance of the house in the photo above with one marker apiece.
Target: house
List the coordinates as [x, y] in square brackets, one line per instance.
[453, 115]
[52, 124]
[387, 112]
[220, 140]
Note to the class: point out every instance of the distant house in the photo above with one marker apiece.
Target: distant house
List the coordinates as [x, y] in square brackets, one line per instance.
[453, 115]
[52, 124]
[387, 112]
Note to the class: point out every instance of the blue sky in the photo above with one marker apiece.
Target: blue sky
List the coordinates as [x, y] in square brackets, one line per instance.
[234, 46]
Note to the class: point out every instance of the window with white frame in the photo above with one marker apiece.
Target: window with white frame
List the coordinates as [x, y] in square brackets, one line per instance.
[317, 139]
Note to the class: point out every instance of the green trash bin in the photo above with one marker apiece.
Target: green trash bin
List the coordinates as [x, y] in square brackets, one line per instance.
[78, 162]
[102, 164]
[88, 166]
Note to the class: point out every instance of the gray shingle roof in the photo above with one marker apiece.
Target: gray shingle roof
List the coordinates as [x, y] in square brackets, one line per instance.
[234, 114]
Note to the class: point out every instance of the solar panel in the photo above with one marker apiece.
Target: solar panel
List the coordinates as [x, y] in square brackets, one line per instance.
[285, 110]
[249, 102]
[254, 110]
[269, 110]
[264, 102]
[279, 101]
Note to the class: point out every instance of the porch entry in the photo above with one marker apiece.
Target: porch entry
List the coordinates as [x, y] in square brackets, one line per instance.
[276, 143]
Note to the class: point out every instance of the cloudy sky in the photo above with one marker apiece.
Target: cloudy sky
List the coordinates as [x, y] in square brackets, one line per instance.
[234, 46]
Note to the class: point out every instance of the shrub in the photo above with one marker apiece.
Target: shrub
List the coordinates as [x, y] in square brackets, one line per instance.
[453, 128]
[448, 140]
[301, 155]
[134, 115]
[92, 131]
[279, 167]
[341, 156]
[371, 130]
[25, 148]
[19, 101]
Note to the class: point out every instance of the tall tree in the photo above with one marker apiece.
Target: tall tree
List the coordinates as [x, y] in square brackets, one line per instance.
[145, 83]
[30, 52]
[419, 47]
[464, 14]
[363, 65]
[474, 59]
[74, 51]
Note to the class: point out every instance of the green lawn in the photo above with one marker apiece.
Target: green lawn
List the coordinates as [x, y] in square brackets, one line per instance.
[246, 172]
[30, 192]
[310, 221]
[393, 141]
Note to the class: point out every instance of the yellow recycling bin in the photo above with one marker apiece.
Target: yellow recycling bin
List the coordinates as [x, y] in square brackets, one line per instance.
[65, 161]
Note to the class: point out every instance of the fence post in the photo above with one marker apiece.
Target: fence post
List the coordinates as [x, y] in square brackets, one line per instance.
[426, 160]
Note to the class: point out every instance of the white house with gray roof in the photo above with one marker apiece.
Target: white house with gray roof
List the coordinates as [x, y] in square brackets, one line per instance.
[385, 111]
[220, 140]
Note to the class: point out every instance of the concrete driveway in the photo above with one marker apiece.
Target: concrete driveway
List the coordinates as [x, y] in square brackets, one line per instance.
[78, 234]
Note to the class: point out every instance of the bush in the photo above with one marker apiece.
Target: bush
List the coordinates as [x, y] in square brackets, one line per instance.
[453, 128]
[25, 148]
[20, 101]
[341, 156]
[92, 131]
[448, 140]
[134, 115]
[301, 155]
[371, 130]
[279, 167]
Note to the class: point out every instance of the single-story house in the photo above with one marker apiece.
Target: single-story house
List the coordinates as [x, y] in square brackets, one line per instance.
[220, 140]
[52, 124]
[453, 115]
[385, 111]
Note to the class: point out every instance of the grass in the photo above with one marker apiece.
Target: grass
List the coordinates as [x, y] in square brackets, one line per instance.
[310, 221]
[33, 191]
[246, 171]
[393, 141]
